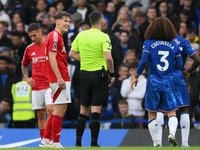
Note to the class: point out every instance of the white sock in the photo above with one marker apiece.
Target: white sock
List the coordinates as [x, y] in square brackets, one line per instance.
[172, 123]
[185, 128]
[153, 129]
[160, 121]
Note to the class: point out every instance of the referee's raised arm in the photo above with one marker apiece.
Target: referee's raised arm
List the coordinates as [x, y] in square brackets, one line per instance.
[93, 49]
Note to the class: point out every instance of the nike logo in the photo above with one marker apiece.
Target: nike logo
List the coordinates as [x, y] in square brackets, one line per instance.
[59, 133]
[19, 144]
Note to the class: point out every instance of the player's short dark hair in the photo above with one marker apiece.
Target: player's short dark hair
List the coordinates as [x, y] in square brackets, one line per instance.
[62, 14]
[123, 101]
[161, 29]
[133, 65]
[95, 16]
[191, 30]
[122, 31]
[16, 33]
[176, 21]
[33, 27]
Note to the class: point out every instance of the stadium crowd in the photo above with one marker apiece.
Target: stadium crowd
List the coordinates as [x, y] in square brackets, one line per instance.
[125, 22]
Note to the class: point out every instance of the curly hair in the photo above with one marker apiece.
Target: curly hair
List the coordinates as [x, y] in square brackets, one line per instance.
[161, 29]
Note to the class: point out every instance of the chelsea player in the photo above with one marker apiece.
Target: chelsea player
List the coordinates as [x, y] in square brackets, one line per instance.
[161, 52]
[182, 95]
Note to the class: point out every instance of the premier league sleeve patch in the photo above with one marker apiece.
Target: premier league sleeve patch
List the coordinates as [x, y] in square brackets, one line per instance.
[54, 47]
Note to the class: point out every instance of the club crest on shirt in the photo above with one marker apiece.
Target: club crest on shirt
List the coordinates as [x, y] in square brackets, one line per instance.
[34, 59]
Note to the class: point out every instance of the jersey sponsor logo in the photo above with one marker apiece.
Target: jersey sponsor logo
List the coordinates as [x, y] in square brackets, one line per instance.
[33, 54]
[39, 59]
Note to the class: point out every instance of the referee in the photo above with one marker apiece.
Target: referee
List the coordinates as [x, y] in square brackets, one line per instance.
[93, 49]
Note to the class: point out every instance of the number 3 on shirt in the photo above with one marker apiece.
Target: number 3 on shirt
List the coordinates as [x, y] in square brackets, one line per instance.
[164, 60]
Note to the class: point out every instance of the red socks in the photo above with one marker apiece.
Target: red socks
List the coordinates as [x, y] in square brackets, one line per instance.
[56, 128]
[48, 130]
[42, 133]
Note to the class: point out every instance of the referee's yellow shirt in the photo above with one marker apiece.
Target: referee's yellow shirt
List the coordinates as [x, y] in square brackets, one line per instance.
[91, 44]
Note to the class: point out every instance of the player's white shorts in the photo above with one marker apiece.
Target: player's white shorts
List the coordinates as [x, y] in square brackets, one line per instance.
[41, 98]
[61, 96]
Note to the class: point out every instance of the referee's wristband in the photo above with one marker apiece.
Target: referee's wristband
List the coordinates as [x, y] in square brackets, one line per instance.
[112, 74]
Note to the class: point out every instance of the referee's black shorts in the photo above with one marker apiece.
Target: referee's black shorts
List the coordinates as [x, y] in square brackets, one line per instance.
[93, 88]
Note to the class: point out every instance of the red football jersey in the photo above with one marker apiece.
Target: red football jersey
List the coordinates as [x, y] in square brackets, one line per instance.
[38, 56]
[54, 42]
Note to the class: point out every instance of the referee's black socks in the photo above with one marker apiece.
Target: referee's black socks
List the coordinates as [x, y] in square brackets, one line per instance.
[80, 128]
[95, 126]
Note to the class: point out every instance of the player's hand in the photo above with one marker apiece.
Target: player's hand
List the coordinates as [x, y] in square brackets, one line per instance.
[134, 81]
[61, 83]
[186, 74]
[30, 82]
[110, 81]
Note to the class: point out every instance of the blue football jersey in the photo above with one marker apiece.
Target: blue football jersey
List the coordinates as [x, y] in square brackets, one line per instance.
[161, 56]
[185, 47]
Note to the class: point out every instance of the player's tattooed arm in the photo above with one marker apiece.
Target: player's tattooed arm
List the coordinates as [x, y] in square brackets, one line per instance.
[24, 71]
[30, 81]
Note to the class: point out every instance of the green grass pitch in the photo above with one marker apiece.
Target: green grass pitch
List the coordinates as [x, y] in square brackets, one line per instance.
[108, 148]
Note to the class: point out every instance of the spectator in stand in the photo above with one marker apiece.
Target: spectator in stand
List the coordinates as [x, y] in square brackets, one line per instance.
[5, 114]
[118, 4]
[83, 9]
[46, 20]
[52, 12]
[185, 17]
[121, 18]
[21, 28]
[144, 4]
[134, 97]
[4, 40]
[130, 57]
[124, 114]
[60, 5]
[110, 14]
[151, 14]
[183, 29]
[120, 49]
[42, 7]
[194, 13]
[29, 11]
[123, 74]
[133, 41]
[13, 6]
[74, 28]
[134, 11]
[192, 35]
[3, 15]
[85, 26]
[5, 51]
[196, 47]
[162, 9]
[143, 23]
[7, 77]
[19, 48]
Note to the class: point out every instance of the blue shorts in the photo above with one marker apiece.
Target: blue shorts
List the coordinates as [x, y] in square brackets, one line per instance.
[180, 89]
[154, 100]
